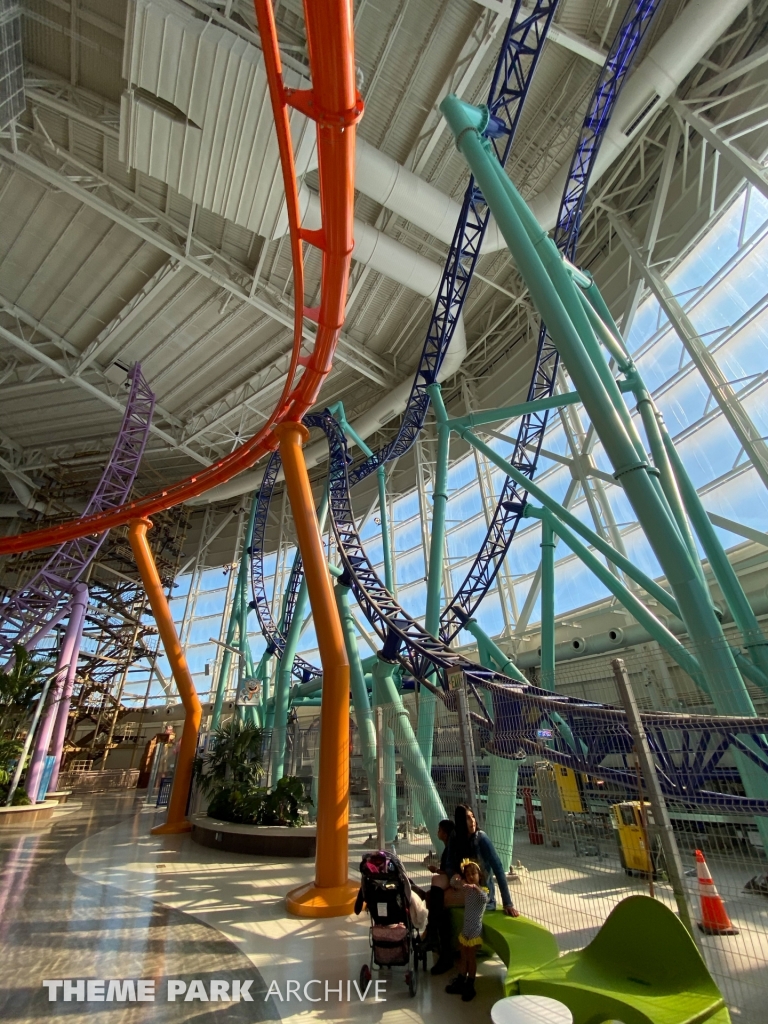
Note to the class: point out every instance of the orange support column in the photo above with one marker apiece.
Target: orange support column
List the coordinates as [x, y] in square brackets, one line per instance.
[332, 894]
[182, 779]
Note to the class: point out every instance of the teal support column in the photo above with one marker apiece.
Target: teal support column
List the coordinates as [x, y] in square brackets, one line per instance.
[646, 618]
[547, 606]
[416, 768]
[360, 700]
[385, 747]
[283, 684]
[501, 806]
[740, 608]
[268, 717]
[552, 291]
[390, 783]
[548, 281]
[226, 663]
[284, 671]
[491, 655]
[502, 776]
[427, 699]
[664, 468]
[240, 598]
[386, 541]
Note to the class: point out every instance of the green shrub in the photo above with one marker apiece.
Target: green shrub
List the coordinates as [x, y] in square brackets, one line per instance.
[229, 774]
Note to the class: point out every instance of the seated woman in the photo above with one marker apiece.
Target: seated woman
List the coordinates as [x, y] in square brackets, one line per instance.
[469, 843]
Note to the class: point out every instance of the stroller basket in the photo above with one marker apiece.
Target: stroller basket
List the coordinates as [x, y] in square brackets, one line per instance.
[391, 945]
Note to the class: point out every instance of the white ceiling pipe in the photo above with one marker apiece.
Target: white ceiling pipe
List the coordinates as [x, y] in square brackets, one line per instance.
[380, 252]
[24, 494]
[391, 405]
[674, 56]
[676, 53]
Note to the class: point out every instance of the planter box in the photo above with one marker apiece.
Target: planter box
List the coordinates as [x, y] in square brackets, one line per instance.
[23, 816]
[59, 797]
[278, 841]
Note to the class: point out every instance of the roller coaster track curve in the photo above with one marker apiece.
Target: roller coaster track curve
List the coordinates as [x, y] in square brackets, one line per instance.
[525, 456]
[335, 105]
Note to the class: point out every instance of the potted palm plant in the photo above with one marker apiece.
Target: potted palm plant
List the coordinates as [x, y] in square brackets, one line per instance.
[229, 774]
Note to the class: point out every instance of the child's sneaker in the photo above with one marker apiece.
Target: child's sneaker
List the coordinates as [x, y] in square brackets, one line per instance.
[468, 992]
[456, 987]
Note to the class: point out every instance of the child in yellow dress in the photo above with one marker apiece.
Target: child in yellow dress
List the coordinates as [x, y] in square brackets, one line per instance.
[475, 899]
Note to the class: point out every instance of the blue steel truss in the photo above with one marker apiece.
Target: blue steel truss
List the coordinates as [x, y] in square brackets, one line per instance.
[690, 750]
[274, 636]
[518, 58]
[533, 426]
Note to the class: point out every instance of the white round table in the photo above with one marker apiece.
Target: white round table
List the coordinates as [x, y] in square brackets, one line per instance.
[530, 1010]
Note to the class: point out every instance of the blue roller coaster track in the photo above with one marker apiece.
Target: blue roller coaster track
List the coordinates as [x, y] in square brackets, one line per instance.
[518, 58]
[691, 750]
[525, 456]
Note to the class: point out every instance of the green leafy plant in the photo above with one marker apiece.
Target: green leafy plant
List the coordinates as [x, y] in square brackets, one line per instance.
[229, 773]
[232, 760]
[10, 752]
[21, 686]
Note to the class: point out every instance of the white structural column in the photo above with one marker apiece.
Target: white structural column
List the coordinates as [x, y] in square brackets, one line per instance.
[749, 436]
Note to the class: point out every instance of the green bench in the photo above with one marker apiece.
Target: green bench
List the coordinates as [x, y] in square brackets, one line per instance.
[642, 967]
[523, 945]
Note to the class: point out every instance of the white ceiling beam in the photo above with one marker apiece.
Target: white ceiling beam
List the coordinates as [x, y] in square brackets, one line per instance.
[349, 351]
[735, 155]
[42, 99]
[150, 291]
[742, 67]
[719, 386]
[63, 373]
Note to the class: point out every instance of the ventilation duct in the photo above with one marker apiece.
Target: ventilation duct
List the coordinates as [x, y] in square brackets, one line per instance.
[196, 114]
[12, 100]
[690, 37]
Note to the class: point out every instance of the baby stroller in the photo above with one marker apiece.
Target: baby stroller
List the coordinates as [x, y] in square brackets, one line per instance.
[386, 891]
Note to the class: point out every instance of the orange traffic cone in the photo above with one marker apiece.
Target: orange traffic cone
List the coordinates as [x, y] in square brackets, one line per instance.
[714, 916]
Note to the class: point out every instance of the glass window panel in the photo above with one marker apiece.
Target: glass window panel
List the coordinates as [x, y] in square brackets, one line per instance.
[747, 351]
[461, 473]
[743, 499]
[464, 505]
[576, 586]
[466, 540]
[408, 536]
[203, 629]
[710, 451]
[406, 507]
[410, 567]
[683, 404]
[489, 615]
[524, 553]
[414, 599]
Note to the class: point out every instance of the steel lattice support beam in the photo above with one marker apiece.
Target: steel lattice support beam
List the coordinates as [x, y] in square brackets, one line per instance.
[721, 389]
[736, 157]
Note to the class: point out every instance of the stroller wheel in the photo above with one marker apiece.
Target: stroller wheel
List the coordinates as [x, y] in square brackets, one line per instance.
[365, 976]
[411, 979]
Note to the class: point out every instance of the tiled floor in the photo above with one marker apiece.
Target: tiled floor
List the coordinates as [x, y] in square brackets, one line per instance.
[120, 903]
[55, 924]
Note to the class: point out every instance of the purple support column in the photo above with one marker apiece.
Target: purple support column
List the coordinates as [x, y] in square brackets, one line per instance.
[65, 676]
[62, 716]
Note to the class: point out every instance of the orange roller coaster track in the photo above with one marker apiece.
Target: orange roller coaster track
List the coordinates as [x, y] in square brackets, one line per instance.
[335, 105]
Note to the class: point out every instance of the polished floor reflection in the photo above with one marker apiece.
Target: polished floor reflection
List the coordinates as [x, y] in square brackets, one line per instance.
[57, 924]
[244, 899]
